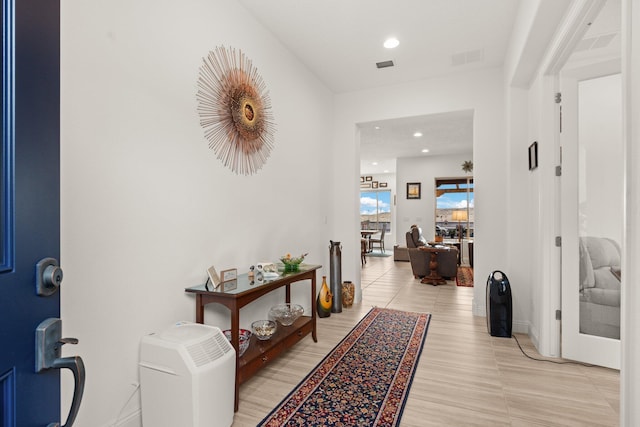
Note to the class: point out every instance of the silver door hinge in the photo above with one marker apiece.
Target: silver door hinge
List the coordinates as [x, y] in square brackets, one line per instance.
[558, 170]
[558, 241]
[558, 97]
[558, 315]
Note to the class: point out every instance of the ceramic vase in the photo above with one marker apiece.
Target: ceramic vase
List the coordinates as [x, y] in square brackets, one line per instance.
[348, 291]
[324, 300]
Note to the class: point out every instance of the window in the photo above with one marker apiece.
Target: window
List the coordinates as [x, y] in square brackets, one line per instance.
[375, 210]
[454, 207]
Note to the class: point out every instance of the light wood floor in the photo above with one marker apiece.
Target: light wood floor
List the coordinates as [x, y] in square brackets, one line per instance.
[464, 377]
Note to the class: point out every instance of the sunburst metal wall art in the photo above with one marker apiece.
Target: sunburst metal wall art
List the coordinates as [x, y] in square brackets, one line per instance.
[235, 110]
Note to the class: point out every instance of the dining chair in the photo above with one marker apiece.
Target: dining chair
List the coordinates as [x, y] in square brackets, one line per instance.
[379, 241]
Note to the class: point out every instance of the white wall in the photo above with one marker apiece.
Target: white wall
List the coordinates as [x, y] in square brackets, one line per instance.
[423, 170]
[533, 259]
[146, 206]
[481, 91]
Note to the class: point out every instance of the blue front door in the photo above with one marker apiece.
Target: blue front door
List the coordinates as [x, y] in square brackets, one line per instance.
[29, 205]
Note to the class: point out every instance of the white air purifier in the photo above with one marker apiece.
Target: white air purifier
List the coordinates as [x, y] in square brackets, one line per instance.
[187, 377]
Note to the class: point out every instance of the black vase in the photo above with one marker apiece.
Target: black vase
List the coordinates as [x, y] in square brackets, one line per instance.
[335, 275]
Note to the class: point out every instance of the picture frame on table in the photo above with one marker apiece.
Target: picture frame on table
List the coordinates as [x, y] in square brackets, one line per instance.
[383, 185]
[365, 185]
[368, 178]
[413, 190]
[374, 184]
[213, 278]
[228, 275]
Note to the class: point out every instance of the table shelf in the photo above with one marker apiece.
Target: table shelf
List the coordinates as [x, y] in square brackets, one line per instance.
[260, 353]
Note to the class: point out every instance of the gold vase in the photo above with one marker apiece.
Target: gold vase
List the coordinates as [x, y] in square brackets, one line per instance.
[324, 300]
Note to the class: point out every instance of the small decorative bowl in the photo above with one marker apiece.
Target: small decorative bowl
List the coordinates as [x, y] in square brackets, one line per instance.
[244, 338]
[264, 329]
[286, 314]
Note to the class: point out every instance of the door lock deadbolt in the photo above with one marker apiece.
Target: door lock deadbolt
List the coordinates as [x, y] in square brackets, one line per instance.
[48, 276]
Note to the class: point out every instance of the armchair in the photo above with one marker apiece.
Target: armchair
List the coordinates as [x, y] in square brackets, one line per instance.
[447, 260]
[599, 287]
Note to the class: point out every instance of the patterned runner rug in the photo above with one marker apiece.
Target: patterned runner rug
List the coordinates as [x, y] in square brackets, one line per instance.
[364, 380]
[465, 277]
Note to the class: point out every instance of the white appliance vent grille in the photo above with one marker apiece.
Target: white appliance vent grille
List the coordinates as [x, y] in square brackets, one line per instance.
[223, 342]
[206, 351]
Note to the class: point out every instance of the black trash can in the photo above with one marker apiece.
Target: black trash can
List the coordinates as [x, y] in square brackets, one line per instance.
[499, 308]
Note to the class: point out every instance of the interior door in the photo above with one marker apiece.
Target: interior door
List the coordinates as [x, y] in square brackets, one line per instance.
[30, 205]
[592, 208]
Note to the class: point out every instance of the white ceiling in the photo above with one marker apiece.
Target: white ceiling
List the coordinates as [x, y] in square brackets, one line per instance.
[384, 141]
[340, 41]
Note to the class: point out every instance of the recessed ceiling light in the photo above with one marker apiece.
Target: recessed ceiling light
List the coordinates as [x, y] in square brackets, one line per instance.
[426, 150]
[386, 171]
[377, 127]
[391, 42]
[417, 134]
[375, 163]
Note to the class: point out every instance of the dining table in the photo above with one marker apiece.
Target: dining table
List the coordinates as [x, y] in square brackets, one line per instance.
[366, 235]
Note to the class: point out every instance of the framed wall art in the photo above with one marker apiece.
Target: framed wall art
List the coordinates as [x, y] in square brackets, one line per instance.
[533, 156]
[413, 190]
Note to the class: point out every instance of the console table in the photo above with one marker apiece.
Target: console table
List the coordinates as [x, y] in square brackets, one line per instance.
[242, 292]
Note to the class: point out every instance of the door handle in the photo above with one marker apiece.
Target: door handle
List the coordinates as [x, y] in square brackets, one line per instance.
[49, 343]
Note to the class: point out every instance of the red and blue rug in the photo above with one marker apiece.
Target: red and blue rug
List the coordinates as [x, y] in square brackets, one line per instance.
[364, 380]
[465, 276]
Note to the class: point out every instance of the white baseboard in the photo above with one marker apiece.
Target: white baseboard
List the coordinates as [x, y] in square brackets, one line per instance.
[520, 327]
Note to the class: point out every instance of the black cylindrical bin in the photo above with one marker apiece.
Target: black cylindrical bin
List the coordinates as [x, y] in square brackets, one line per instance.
[335, 275]
[499, 309]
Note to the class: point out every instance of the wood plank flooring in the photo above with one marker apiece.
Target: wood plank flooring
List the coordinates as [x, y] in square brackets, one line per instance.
[464, 377]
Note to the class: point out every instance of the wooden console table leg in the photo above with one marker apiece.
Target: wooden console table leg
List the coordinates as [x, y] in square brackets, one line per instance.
[199, 309]
[235, 342]
[313, 308]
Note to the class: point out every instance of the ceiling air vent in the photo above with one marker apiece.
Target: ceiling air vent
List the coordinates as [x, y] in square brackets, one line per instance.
[384, 64]
[467, 57]
[596, 42]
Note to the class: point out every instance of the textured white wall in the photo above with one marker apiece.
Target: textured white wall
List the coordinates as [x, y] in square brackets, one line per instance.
[146, 206]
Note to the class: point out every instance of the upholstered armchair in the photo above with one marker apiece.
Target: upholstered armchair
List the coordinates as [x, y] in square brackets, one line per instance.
[447, 260]
[599, 287]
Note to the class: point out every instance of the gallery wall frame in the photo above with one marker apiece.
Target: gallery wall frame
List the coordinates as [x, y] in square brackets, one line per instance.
[413, 190]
